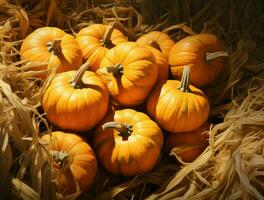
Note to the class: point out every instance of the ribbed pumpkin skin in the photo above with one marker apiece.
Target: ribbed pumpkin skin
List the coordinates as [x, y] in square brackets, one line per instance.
[139, 73]
[192, 51]
[34, 48]
[136, 155]
[84, 164]
[75, 109]
[90, 41]
[161, 62]
[177, 111]
[197, 140]
[163, 41]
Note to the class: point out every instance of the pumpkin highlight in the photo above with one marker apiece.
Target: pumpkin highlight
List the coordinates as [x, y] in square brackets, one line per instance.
[95, 40]
[76, 100]
[129, 71]
[128, 142]
[52, 45]
[177, 106]
[205, 55]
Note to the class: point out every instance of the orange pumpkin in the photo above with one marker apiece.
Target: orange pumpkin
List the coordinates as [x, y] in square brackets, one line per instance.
[76, 100]
[190, 144]
[129, 71]
[95, 40]
[205, 55]
[128, 142]
[52, 45]
[158, 40]
[161, 62]
[178, 106]
[68, 148]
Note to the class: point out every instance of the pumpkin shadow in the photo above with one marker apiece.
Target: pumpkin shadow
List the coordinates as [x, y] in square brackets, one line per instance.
[91, 86]
[199, 93]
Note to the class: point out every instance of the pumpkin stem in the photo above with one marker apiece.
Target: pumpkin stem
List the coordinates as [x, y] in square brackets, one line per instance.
[185, 81]
[60, 158]
[54, 47]
[210, 56]
[76, 82]
[117, 70]
[155, 45]
[106, 39]
[124, 129]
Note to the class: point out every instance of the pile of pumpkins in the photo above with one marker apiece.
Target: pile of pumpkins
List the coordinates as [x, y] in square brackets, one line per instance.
[101, 77]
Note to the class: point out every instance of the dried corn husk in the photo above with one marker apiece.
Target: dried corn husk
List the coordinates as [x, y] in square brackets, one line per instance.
[230, 168]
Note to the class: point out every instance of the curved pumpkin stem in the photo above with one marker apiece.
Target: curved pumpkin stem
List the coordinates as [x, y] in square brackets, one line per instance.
[185, 81]
[76, 82]
[124, 129]
[210, 56]
[54, 47]
[117, 70]
[106, 40]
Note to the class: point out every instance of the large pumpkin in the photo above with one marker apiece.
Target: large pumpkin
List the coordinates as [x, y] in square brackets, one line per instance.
[76, 100]
[52, 45]
[178, 106]
[205, 55]
[130, 72]
[68, 148]
[95, 40]
[158, 40]
[189, 145]
[128, 142]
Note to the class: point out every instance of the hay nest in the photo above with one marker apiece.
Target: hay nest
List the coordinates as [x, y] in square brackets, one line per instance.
[231, 167]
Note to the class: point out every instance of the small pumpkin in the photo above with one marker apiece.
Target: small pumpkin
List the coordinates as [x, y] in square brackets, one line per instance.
[96, 39]
[130, 72]
[189, 145]
[205, 55]
[76, 100]
[128, 142]
[161, 62]
[68, 148]
[158, 40]
[177, 106]
[52, 45]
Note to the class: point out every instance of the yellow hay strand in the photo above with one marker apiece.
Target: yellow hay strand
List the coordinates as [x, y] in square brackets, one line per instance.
[231, 167]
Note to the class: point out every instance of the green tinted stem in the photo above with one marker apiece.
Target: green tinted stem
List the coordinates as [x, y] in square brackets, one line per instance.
[211, 56]
[185, 81]
[124, 129]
